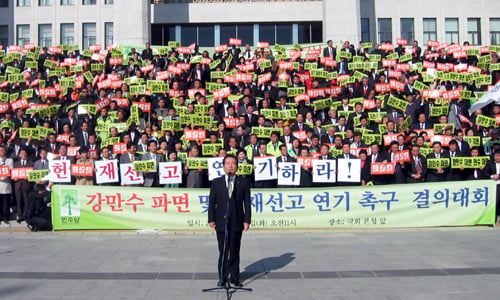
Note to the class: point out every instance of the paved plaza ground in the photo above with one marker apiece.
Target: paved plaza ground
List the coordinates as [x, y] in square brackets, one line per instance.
[428, 263]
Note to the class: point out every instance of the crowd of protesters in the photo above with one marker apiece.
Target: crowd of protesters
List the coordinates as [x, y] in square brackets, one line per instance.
[324, 102]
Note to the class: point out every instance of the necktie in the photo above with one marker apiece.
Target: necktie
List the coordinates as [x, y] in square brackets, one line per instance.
[418, 166]
[300, 126]
[22, 163]
[43, 164]
[53, 148]
[131, 158]
[85, 139]
[422, 126]
[229, 186]
[331, 140]
[284, 158]
[153, 156]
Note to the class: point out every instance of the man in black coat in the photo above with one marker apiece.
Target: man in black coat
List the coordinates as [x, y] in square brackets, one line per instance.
[229, 213]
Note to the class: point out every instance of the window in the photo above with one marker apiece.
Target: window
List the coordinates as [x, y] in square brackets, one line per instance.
[495, 31]
[206, 36]
[45, 35]
[44, 3]
[226, 32]
[245, 33]
[284, 34]
[189, 34]
[384, 29]
[67, 2]
[365, 30]
[88, 2]
[267, 33]
[430, 30]
[451, 25]
[4, 3]
[407, 29]
[474, 31]
[89, 35]
[67, 34]
[23, 2]
[4, 36]
[23, 35]
[108, 33]
[109, 2]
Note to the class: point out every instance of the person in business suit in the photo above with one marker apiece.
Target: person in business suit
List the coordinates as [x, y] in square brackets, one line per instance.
[376, 156]
[131, 155]
[21, 186]
[436, 175]
[151, 178]
[416, 169]
[329, 50]
[5, 186]
[229, 213]
[492, 170]
[478, 173]
[284, 158]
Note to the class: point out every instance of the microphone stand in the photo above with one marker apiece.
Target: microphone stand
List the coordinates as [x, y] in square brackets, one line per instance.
[227, 285]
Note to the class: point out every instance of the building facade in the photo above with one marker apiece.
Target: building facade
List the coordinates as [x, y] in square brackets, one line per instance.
[213, 22]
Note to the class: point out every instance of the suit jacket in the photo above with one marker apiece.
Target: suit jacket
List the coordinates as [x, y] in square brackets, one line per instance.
[38, 165]
[125, 158]
[432, 174]
[74, 126]
[151, 178]
[490, 169]
[326, 52]
[295, 127]
[288, 159]
[22, 184]
[239, 204]
[410, 168]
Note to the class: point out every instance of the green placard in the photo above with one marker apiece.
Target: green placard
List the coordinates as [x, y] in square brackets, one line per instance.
[50, 64]
[438, 163]
[396, 103]
[474, 141]
[265, 132]
[440, 127]
[292, 92]
[244, 169]
[485, 121]
[437, 111]
[145, 165]
[211, 149]
[197, 163]
[97, 67]
[37, 175]
[469, 162]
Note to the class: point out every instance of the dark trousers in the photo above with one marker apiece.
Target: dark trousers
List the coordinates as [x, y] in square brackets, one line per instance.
[231, 257]
[498, 200]
[21, 201]
[5, 206]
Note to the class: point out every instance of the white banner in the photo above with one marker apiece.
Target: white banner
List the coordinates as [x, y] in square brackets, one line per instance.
[129, 176]
[349, 170]
[170, 172]
[288, 173]
[59, 171]
[324, 170]
[265, 168]
[215, 167]
[106, 171]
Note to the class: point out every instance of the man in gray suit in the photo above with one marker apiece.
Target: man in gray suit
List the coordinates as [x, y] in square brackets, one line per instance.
[151, 178]
[131, 155]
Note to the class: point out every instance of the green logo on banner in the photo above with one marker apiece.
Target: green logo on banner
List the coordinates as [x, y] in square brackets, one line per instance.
[70, 206]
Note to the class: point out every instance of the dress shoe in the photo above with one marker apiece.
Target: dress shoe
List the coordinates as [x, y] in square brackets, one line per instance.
[236, 283]
[5, 220]
[221, 283]
[19, 220]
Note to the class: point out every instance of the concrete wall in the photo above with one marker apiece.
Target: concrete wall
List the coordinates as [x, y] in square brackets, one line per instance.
[132, 21]
[234, 12]
[341, 20]
[7, 18]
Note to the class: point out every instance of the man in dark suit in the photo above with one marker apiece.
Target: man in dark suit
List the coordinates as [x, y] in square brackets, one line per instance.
[439, 174]
[71, 121]
[492, 170]
[229, 213]
[377, 156]
[416, 169]
[21, 186]
[329, 50]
